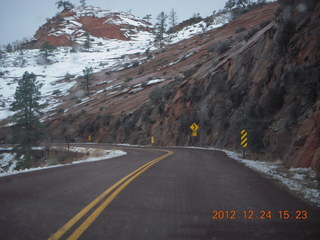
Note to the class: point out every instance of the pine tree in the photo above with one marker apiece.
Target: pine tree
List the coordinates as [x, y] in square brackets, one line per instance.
[86, 76]
[87, 43]
[46, 50]
[28, 130]
[243, 3]
[173, 17]
[236, 3]
[9, 48]
[2, 55]
[161, 25]
[83, 3]
[148, 18]
[66, 5]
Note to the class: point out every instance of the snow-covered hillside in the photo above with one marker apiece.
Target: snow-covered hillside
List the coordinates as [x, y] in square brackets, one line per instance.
[90, 19]
[66, 63]
[198, 28]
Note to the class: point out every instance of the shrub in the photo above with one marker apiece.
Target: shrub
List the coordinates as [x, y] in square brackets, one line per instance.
[144, 84]
[274, 99]
[190, 72]
[156, 95]
[141, 70]
[264, 24]
[135, 64]
[224, 46]
[240, 29]
[129, 126]
[286, 32]
[255, 140]
[106, 120]
[60, 110]
[56, 92]
[194, 94]
[250, 33]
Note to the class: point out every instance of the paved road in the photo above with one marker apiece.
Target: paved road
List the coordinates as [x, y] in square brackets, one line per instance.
[172, 197]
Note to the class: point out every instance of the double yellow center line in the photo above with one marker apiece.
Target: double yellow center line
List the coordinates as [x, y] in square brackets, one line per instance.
[118, 187]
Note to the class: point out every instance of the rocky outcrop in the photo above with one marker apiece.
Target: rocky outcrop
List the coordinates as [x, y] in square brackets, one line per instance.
[70, 27]
[265, 80]
[260, 73]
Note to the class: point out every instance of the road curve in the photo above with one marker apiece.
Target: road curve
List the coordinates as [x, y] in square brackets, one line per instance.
[190, 194]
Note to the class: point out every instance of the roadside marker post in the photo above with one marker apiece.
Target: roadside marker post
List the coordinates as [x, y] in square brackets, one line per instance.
[90, 138]
[152, 140]
[244, 141]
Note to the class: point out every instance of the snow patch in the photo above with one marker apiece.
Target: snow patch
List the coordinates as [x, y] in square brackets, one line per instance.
[300, 180]
[154, 81]
[8, 159]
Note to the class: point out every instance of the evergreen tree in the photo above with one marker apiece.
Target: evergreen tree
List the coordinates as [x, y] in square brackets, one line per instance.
[66, 5]
[9, 48]
[83, 3]
[173, 17]
[87, 43]
[243, 3]
[236, 3]
[2, 54]
[161, 25]
[86, 76]
[148, 18]
[28, 130]
[46, 50]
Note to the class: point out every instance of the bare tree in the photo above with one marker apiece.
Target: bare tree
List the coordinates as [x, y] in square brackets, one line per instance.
[173, 17]
[86, 76]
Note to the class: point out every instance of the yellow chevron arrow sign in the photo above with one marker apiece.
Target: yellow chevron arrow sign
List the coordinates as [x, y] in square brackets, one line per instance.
[244, 138]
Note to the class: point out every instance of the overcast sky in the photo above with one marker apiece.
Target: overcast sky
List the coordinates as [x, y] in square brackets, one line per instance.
[21, 18]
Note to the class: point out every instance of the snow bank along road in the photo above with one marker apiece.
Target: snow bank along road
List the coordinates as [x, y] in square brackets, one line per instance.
[167, 193]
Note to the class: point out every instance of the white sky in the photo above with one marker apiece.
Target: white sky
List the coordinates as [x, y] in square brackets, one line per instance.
[21, 18]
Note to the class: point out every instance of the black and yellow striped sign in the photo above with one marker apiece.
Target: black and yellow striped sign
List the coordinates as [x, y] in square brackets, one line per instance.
[244, 138]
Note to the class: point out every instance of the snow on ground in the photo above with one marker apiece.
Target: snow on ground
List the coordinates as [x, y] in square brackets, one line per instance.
[64, 62]
[198, 28]
[7, 162]
[299, 180]
[154, 81]
[103, 54]
[190, 31]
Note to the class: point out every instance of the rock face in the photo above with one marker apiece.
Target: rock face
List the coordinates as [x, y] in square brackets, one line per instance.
[69, 28]
[260, 73]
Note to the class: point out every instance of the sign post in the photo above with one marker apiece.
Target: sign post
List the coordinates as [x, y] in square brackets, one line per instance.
[244, 141]
[194, 127]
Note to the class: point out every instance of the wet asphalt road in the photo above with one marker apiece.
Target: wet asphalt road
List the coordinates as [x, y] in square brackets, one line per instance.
[173, 199]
